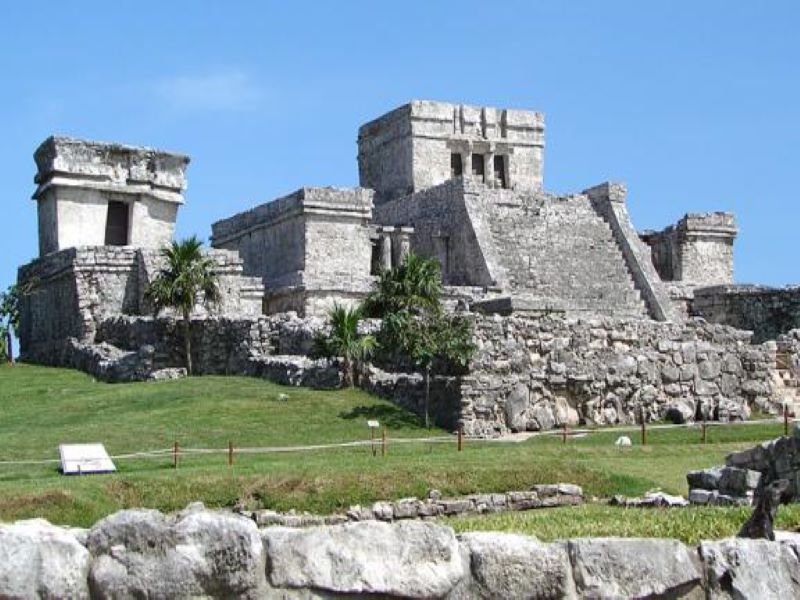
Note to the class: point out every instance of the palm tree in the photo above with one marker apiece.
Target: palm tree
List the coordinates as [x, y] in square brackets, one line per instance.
[345, 341]
[415, 324]
[413, 286]
[187, 276]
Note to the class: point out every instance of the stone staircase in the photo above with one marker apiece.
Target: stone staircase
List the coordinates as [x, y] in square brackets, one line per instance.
[557, 252]
[791, 384]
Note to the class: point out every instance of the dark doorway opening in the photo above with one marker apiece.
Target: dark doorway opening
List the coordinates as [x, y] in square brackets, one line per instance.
[500, 171]
[456, 166]
[477, 166]
[117, 224]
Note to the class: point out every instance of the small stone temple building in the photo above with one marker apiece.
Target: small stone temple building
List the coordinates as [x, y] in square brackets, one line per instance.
[462, 184]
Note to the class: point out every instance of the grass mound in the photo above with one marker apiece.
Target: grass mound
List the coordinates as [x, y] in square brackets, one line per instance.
[41, 408]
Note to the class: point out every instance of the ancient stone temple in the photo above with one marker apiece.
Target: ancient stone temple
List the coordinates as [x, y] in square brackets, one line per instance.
[579, 317]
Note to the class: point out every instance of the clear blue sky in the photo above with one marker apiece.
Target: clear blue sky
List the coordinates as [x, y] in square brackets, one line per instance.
[695, 105]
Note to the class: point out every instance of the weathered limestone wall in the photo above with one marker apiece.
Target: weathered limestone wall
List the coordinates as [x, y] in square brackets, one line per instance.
[538, 373]
[767, 312]
[444, 229]
[77, 179]
[698, 249]
[72, 291]
[201, 553]
[75, 290]
[737, 482]
[551, 253]
[310, 248]
[409, 149]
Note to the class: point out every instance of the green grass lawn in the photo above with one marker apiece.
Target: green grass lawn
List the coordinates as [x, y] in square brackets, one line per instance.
[41, 407]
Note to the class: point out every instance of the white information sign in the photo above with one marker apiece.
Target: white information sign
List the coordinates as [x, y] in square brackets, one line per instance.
[373, 424]
[78, 459]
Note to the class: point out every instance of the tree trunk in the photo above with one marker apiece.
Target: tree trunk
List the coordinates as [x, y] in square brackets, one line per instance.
[427, 395]
[348, 372]
[9, 341]
[187, 340]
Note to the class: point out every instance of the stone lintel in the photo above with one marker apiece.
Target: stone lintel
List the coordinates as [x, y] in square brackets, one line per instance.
[446, 120]
[716, 224]
[71, 162]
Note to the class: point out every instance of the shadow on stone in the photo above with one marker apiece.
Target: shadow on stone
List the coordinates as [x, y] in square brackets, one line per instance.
[768, 498]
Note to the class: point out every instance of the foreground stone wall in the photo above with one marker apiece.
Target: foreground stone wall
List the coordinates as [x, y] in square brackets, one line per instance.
[767, 312]
[531, 374]
[143, 553]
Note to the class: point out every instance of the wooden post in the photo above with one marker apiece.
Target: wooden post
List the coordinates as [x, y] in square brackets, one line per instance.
[175, 455]
[10, 342]
[644, 428]
[785, 419]
[372, 441]
[230, 453]
[703, 431]
[383, 443]
[564, 434]
[460, 437]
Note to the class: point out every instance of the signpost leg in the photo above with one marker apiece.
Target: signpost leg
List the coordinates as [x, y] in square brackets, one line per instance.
[383, 443]
[785, 419]
[230, 453]
[460, 436]
[175, 455]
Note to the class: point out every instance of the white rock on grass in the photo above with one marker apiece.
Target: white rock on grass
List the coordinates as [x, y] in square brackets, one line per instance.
[632, 567]
[40, 560]
[411, 559]
[142, 553]
[744, 568]
[505, 565]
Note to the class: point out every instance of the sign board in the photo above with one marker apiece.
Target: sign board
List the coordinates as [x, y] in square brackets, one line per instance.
[373, 424]
[79, 459]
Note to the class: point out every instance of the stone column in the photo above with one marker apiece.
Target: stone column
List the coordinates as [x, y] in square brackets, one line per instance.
[403, 244]
[386, 252]
[488, 168]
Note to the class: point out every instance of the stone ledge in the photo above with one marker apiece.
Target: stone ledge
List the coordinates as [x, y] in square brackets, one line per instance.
[540, 496]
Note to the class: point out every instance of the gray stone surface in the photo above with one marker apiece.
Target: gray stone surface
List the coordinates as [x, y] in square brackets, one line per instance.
[40, 560]
[698, 249]
[633, 568]
[604, 371]
[409, 149]
[198, 553]
[354, 558]
[505, 565]
[767, 311]
[741, 568]
[541, 496]
[311, 248]
[76, 179]
[143, 553]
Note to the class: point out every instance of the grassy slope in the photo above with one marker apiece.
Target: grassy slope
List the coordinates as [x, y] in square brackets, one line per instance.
[40, 408]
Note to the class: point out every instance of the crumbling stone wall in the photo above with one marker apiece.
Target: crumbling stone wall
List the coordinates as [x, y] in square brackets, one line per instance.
[767, 312]
[73, 291]
[212, 554]
[697, 249]
[310, 248]
[538, 373]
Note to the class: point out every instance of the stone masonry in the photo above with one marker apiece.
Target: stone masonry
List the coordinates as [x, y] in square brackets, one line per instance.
[213, 554]
[579, 318]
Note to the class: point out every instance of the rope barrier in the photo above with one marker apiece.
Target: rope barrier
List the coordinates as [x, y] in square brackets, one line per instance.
[166, 452]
